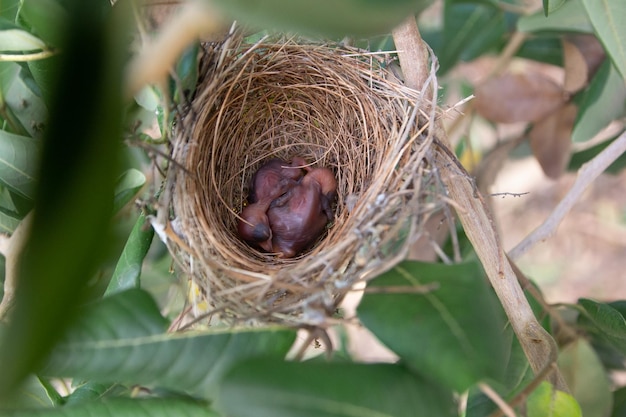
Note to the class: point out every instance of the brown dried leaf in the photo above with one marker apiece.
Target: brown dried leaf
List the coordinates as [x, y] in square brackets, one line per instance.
[576, 70]
[591, 50]
[551, 140]
[512, 98]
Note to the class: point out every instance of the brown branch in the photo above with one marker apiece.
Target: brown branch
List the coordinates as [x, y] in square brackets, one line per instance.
[538, 345]
[586, 175]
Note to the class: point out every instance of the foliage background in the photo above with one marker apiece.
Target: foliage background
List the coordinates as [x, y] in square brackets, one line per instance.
[86, 330]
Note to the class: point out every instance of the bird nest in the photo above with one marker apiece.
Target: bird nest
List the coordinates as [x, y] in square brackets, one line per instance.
[336, 107]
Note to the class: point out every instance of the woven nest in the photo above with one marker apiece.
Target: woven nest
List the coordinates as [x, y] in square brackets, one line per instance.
[336, 107]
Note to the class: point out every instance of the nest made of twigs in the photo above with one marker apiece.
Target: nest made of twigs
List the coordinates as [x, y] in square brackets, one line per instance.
[334, 106]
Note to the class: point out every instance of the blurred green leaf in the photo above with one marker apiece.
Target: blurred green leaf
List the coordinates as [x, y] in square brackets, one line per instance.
[127, 186]
[312, 389]
[26, 103]
[46, 19]
[546, 401]
[441, 334]
[619, 402]
[124, 407]
[9, 9]
[128, 269]
[74, 189]
[186, 74]
[121, 339]
[581, 157]
[607, 320]
[607, 17]
[8, 222]
[469, 30]
[570, 17]
[549, 6]
[90, 391]
[602, 102]
[543, 49]
[15, 39]
[18, 163]
[586, 378]
[31, 394]
[329, 17]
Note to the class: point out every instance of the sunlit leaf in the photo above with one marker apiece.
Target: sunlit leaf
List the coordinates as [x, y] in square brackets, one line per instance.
[16, 39]
[570, 17]
[314, 389]
[607, 320]
[603, 101]
[438, 333]
[586, 378]
[330, 17]
[128, 268]
[18, 163]
[127, 186]
[546, 401]
[607, 17]
[125, 407]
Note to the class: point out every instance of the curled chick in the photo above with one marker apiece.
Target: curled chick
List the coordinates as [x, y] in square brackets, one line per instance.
[300, 216]
[254, 227]
[274, 178]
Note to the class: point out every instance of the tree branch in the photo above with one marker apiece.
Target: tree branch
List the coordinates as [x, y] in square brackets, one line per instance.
[586, 175]
[538, 345]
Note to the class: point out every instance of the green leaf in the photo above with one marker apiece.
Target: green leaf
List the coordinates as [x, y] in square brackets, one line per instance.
[443, 334]
[543, 49]
[570, 17]
[31, 394]
[608, 321]
[607, 17]
[330, 17]
[128, 268]
[312, 389]
[46, 18]
[74, 189]
[586, 378]
[546, 401]
[581, 157]
[603, 101]
[8, 222]
[469, 31]
[549, 6]
[619, 401]
[122, 339]
[127, 186]
[15, 39]
[91, 391]
[18, 163]
[26, 104]
[124, 407]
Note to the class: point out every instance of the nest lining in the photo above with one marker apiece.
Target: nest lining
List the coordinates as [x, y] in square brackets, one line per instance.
[336, 108]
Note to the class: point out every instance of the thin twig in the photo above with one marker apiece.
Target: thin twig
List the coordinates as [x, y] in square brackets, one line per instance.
[497, 399]
[586, 175]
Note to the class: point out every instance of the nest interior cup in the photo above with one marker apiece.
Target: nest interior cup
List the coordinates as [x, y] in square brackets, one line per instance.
[333, 106]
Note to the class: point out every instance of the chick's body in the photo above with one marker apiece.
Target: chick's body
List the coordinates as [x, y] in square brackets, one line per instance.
[300, 216]
[274, 178]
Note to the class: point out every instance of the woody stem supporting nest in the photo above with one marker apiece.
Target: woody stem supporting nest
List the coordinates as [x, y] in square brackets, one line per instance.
[538, 345]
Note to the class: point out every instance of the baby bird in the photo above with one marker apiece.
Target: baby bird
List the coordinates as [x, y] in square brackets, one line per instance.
[274, 178]
[270, 181]
[299, 216]
[254, 227]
